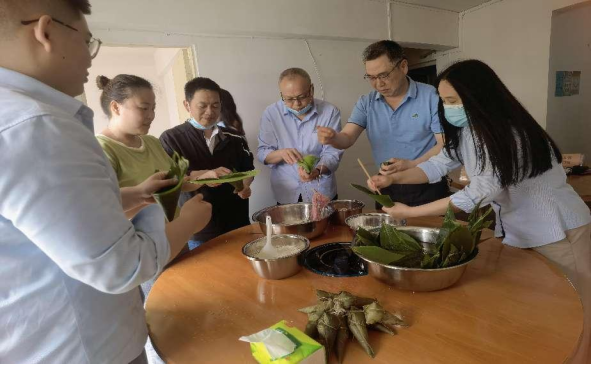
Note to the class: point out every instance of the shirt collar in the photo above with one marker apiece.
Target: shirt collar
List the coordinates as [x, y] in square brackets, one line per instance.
[411, 91]
[42, 92]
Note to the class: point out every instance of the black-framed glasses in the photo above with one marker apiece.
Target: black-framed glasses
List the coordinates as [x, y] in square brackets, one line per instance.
[299, 98]
[94, 44]
[383, 76]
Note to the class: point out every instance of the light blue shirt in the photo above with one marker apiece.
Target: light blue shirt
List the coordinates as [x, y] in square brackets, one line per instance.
[406, 132]
[281, 129]
[70, 261]
[535, 212]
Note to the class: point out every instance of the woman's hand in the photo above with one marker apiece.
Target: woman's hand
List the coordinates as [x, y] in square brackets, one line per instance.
[153, 184]
[398, 211]
[135, 197]
[377, 182]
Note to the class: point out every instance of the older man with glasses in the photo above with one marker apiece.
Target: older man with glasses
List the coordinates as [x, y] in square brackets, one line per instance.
[288, 133]
[401, 119]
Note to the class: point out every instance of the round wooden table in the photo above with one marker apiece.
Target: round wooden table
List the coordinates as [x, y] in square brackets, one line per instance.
[511, 306]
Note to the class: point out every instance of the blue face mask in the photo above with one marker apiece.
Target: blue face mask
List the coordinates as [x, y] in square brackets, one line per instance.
[301, 111]
[456, 115]
[199, 126]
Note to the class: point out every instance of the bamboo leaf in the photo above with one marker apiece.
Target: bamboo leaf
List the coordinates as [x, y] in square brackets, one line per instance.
[397, 241]
[366, 238]
[235, 176]
[384, 200]
[308, 163]
[168, 197]
[377, 254]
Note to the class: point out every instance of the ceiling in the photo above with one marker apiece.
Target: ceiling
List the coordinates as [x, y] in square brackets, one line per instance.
[452, 5]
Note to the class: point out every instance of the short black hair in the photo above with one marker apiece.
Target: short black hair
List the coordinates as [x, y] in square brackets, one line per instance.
[391, 49]
[200, 83]
[14, 11]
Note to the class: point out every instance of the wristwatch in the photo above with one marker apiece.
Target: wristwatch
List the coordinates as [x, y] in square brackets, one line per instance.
[320, 170]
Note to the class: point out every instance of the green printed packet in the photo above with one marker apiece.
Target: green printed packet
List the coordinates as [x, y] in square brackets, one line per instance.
[307, 350]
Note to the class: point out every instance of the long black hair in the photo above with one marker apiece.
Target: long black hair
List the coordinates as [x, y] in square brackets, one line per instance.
[229, 114]
[507, 137]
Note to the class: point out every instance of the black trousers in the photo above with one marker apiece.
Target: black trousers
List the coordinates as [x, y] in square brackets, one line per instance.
[300, 199]
[416, 194]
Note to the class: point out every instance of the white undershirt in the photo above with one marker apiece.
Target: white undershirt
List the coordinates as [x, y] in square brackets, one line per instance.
[211, 142]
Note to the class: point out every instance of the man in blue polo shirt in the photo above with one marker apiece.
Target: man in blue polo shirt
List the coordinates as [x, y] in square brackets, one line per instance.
[401, 119]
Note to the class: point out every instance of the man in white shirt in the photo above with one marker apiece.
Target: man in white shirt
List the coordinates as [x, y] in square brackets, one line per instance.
[70, 261]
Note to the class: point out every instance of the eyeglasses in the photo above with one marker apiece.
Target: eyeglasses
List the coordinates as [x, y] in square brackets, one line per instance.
[94, 44]
[383, 76]
[299, 98]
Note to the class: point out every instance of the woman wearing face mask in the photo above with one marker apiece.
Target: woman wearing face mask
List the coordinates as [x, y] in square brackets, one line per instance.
[512, 164]
[129, 102]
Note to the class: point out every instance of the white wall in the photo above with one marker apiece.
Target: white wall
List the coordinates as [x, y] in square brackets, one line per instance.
[513, 37]
[112, 61]
[252, 80]
[244, 45]
[568, 117]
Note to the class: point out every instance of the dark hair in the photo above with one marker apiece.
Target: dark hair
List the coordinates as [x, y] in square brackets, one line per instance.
[229, 114]
[200, 83]
[392, 49]
[120, 88]
[13, 11]
[507, 137]
[295, 71]
[82, 6]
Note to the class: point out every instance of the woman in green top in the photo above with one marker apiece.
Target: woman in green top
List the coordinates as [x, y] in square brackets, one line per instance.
[129, 102]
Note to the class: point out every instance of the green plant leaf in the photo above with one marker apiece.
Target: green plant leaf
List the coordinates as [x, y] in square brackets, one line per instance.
[308, 163]
[168, 197]
[397, 241]
[235, 176]
[367, 238]
[384, 200]
[238, 185]
[412, 259]
[377, 254]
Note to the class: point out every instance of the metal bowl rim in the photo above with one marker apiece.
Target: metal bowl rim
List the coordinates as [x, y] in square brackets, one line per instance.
[261, 211]
[413, 268]
[375, 214]
[359, 204]
[296, 236]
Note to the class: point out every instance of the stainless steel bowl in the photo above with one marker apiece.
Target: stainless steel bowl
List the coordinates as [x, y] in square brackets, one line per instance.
[344, 209]
[293, 219]
[278, 268]
[372, 220]
[419, 280]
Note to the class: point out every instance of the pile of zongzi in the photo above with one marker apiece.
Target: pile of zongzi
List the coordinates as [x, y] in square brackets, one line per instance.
[455, 244]
[336, 317]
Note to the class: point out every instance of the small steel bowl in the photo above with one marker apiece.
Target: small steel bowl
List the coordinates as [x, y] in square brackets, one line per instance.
[283, 215]
[344, 209]
[371, 220]
[281, 267]
[419, 280]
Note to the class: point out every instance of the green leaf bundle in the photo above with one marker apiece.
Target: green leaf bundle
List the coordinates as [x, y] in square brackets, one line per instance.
[383, 200]
[308, 163]
[230, 178]
[168, 197]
